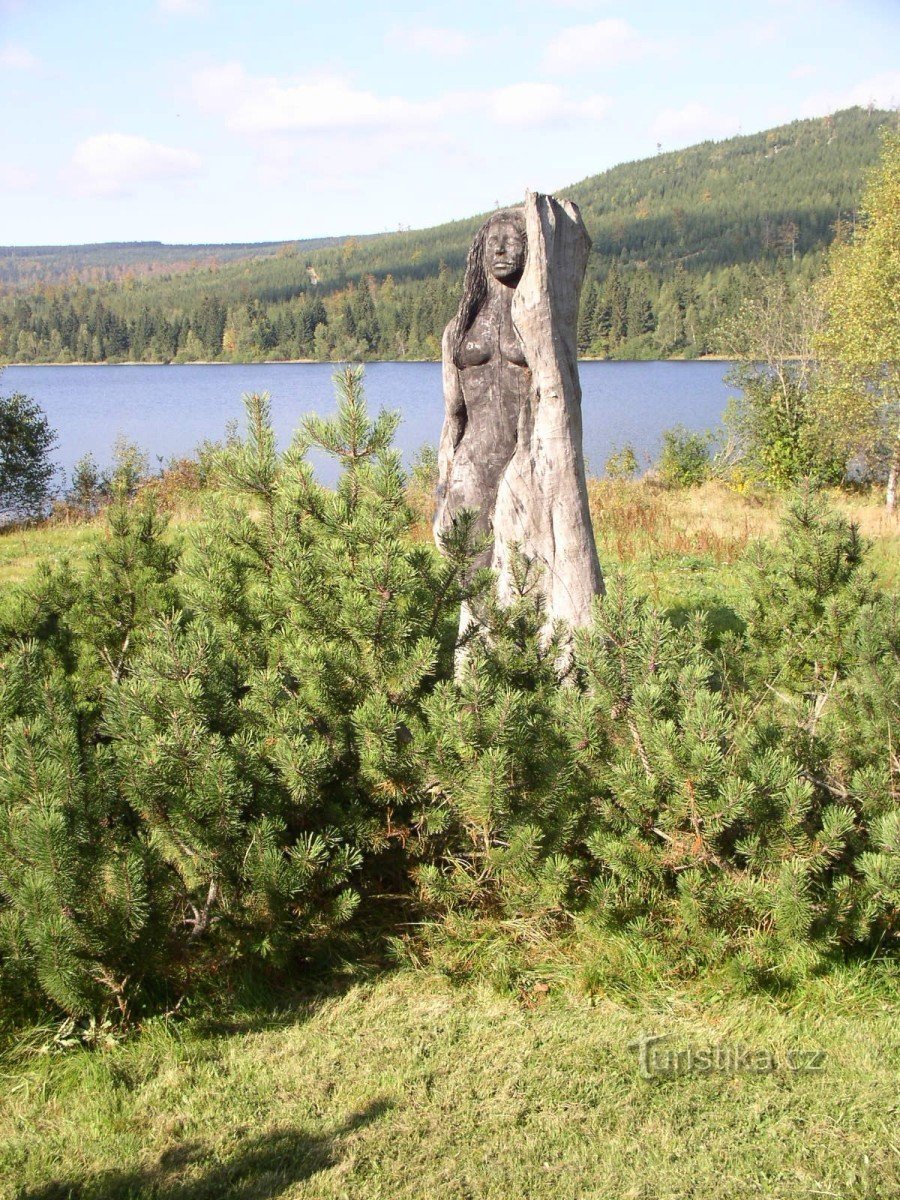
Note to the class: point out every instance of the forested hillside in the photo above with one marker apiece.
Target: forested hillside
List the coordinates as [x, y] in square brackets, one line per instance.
[676, 239]
[24, 267]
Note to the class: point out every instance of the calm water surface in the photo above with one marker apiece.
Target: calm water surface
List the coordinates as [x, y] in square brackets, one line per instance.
[168, 410]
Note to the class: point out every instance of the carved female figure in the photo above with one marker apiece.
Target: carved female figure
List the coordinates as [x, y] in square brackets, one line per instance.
[486, 375]
[511, 442]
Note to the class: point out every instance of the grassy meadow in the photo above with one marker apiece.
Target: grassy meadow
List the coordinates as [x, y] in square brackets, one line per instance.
[393, 1082]
[406, 1087]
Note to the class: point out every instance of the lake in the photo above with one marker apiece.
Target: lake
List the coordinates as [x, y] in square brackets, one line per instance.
[168, 410]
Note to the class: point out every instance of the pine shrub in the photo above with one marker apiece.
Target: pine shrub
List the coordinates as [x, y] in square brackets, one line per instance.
[505, 799]
[338, 622]
[84, 917]
[208, 758]
[747, 794]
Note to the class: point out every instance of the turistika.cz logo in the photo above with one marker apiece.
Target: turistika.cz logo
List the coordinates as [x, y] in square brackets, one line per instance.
[656, 1059]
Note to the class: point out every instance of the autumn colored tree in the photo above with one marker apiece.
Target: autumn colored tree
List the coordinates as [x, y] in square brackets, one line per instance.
[860, 345]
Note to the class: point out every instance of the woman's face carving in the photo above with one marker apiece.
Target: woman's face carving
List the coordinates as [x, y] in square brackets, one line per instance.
[504, 250]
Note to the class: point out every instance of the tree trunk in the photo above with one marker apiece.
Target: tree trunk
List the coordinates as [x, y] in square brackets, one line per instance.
[542, 502]
[894, 469]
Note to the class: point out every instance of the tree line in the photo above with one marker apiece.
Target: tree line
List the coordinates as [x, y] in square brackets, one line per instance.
[624, 314]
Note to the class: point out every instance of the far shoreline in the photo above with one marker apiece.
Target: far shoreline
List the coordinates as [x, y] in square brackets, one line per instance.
[334, 362]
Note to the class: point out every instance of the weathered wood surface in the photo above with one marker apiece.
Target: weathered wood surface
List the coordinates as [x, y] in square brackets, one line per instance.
[511, 445]
[542, 501]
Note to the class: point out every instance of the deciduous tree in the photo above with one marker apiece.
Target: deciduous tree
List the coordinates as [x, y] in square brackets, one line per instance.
[26, 440]
[861, 341]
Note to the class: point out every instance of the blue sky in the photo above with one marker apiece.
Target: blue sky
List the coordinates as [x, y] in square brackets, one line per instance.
[232, 120]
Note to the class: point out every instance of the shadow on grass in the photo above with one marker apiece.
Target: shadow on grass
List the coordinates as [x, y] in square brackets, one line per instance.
[263, 1168]
[254, 1000]
[256, 1004]
[249, 1000]
[720, 618]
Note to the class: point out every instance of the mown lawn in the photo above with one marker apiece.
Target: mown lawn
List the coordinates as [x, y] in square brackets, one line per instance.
[408, 1087]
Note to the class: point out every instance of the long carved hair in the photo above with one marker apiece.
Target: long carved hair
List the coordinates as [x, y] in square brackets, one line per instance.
[475, 285]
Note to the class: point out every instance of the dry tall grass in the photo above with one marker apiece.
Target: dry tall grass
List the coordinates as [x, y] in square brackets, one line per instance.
[638, 524]
[640, 520]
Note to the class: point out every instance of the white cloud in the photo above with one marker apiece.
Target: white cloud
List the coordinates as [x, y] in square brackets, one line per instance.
[428, 39]
[692, 123]
[535, 104]
[606, 43]
[110, 164]
[348, 185]
[263, 104]
[802, 71]
[883, 91]
[326, 129]
[16, 58]
[16, 179]
[260, 106]
[801, 8]
[183, 8]
[757, 33]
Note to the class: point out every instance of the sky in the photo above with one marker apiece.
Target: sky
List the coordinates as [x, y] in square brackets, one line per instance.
[267, 120]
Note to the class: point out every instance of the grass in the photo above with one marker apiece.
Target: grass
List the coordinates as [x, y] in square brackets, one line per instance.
[676, 542]
[407, 1087]
[24, 547]
[682, 545]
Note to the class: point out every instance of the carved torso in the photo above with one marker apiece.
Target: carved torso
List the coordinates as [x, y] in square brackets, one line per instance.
[492, 337]
[495, 383]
